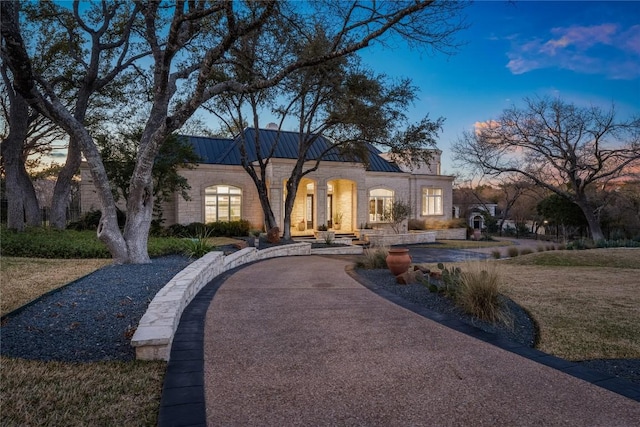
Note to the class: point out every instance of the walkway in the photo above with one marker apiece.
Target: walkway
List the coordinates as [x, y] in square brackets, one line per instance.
[293, 341]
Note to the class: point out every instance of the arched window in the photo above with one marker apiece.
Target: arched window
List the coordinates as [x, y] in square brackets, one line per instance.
[222, 203]
[379, 201]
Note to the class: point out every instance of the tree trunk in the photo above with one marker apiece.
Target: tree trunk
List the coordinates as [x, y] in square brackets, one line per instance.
[292, 190]
[21, 196]
[263, 195]
[62, 189]
[593, 222]
[139, 215]
[288, 207]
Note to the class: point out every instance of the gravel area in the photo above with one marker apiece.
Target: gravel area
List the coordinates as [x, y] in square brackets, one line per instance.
[520, 329]
[91, 319]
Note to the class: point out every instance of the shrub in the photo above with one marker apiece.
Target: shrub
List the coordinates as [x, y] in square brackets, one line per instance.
[540, 248]
[197, 247]
[396, 213]
[373, 258]
[496, 254]
[66, 244]
[195, 229]
[451, 280]
[621, 243]
[90, 220]
[229, 228]
[526, 251]
[43, 243]
[512, 251]
[580, 244]
[177, 230]
[416, 224]
[478, 293]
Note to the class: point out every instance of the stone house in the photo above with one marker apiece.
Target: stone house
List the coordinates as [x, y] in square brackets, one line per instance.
[341, 190]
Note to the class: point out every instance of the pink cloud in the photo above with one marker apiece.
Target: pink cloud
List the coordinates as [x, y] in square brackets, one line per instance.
[581, 37]
[579, 49]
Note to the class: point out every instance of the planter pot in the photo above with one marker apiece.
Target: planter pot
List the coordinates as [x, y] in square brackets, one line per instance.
[398, 260]
[336, 226]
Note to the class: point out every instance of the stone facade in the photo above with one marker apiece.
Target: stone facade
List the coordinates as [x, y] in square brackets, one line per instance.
[337, 190]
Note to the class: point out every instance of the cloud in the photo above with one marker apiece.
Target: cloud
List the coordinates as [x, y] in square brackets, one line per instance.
[605, 49]
[479, 127]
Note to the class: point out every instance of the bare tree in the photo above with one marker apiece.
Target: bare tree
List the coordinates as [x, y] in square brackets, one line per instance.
[559, 146]
[190, 44]
[338, 107]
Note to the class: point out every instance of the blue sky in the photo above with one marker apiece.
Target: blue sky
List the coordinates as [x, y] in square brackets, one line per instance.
[584, 52]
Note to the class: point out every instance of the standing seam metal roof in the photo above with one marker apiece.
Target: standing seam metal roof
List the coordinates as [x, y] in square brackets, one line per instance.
[226, 151]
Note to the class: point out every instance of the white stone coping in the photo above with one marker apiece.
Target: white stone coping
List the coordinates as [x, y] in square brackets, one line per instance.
[339, 250]
[154, 335]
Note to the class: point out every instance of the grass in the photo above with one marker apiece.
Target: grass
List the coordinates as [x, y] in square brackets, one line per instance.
[24, 279]
[74, 394]
[585, 302]
[70, 394]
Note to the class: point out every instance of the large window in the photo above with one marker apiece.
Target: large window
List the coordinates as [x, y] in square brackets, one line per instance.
[222, 203]
[379, 201]
[432, 201]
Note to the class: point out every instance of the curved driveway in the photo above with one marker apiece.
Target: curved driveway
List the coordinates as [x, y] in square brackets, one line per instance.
[297, 341]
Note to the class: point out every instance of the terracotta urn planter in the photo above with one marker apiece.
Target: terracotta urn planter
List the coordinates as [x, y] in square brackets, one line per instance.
[398, 260]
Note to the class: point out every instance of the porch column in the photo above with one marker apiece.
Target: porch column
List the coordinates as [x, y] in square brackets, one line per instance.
[321, 204]
[362, 214]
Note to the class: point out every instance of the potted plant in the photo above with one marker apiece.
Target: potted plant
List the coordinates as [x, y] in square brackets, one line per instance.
[337, 220]
[301, 225]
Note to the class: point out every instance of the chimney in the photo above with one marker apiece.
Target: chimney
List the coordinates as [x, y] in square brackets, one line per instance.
[272, 126]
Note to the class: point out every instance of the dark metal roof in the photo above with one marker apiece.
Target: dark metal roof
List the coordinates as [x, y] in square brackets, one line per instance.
[285, 145]
[209, 149]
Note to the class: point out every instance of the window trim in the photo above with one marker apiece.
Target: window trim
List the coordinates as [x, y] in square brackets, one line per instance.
[386, 201]
[435, 201]
[233, 192]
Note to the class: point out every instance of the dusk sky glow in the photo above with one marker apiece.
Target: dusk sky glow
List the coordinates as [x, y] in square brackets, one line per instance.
[584, 52]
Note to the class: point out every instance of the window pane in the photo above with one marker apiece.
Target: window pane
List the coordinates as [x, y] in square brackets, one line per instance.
[222, 203]
[432, 201]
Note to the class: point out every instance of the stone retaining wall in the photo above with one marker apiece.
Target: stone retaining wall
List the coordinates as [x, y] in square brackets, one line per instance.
[154, 336]
[402, 239]
[338, 250]
[451, 234]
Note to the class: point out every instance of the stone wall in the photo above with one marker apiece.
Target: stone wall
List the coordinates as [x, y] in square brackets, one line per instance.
[402, 239]
[451, 234]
